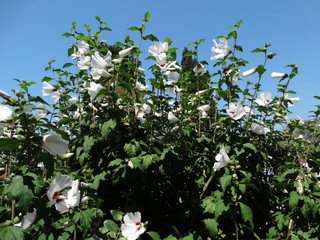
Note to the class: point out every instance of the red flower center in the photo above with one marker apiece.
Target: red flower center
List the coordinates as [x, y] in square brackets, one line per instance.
[56, 196]
[138, 224]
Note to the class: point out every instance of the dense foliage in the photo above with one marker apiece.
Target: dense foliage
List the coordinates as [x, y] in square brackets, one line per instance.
[180, 151]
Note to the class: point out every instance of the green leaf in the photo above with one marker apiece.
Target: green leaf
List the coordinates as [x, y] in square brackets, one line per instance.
[272, 232]
[208, 205]
[11, 233]
[148, 160]
[250, 146]
[8, 144]
[117, 215]
[211, 226]
[98, 19]
[110, 226]
[294, 199]
[260, 70]
[242, 188]
[67, 34]
[225, 181]
[84, 218]
[32, 181]
[246, 213]
[134, 29]
[280, 221]
[170, 238]
[150, 37]
[257, 50]
[107, 127]
[154, 235]
[17, 190]
[220, 208]
[147, 16]
[67, 65]
[97, 179]
[116, 162]
[88, 143]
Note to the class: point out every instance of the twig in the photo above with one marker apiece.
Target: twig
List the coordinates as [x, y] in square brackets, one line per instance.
[206, 186]
[5, 96]
[290, 227]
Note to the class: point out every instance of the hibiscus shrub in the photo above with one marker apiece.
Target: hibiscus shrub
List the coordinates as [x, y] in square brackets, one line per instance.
[175, 152]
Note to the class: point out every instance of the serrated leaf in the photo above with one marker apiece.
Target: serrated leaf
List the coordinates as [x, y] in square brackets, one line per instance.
[208, 205]
[260, 70]
[107, 127]
[84, 218]
[211, 226]
[17, 190]
[97, 179]
[154, 235]
[7, 144]
[11, 233]
[117, 215]
[225, 181]
[294, 199]
[32, 181]
[116, 162]
[220, 208]
[246, 213]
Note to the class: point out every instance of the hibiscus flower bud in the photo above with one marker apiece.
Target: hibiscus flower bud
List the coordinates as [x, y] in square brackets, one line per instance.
[279, 75]
[125, 52]
[249, 72]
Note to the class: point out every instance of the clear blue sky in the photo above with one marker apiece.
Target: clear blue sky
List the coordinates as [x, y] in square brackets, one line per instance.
[31, 34]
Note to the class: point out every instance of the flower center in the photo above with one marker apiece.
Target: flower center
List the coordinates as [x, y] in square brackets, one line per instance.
[139, 226]
[58, 196]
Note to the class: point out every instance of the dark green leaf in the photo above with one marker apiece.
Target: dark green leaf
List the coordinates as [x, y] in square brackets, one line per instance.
[260, 70]
[111, 226]
[11, 233]
[107, 127]
[7, 144]
[150, 37]
[154, 235]
[147, 16]
[97, 179]
[134, 29]
[211, 226]
[257, 50]
[117, 215]
[84, 218]
[246, 213]
[294, 199]
[17, 190]
[225, 181]
[67, 65]
[250, 146]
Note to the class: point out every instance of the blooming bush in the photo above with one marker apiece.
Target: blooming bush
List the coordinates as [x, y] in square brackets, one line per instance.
[184, 148]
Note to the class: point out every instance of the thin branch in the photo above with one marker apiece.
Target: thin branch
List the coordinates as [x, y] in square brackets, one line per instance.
[5, 96]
